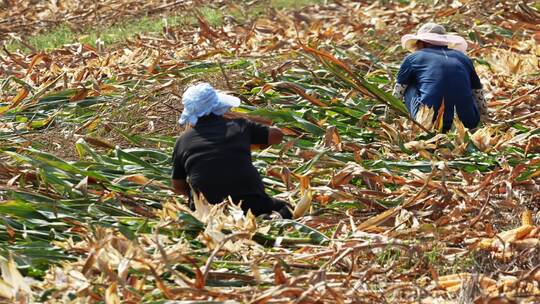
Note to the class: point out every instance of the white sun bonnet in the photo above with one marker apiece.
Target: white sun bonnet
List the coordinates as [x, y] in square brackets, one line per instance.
[435, 34]
[202, 99]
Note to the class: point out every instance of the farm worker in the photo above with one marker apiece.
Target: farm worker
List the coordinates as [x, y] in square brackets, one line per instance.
[213, 157]
[438, 70]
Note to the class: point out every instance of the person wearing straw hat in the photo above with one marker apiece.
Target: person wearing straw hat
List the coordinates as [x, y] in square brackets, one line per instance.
[438, 70]
[213, 157]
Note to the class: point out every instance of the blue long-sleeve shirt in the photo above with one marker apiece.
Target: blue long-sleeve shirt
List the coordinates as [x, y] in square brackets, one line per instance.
[438, 73]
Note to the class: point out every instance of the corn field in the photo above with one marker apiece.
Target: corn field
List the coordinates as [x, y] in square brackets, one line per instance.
[395, 212]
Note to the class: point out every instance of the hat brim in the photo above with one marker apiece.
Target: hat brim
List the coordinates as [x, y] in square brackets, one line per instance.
[228, 100]
[408, 41]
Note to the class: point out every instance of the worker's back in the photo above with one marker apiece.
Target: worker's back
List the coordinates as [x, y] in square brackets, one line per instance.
[438, 73]
[216, 156]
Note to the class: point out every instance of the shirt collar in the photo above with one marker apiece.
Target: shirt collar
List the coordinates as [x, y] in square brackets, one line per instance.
[209, 118]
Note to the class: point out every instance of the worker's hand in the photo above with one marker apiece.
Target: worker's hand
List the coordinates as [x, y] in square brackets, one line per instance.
[258, 147]
[180, 186]
[481, 105]
[484, 118]
[275, 136]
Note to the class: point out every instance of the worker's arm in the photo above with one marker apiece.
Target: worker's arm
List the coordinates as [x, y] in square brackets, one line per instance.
[404, 77]
[262, 136]
[179, 174]
[275, 136]
[180, 186]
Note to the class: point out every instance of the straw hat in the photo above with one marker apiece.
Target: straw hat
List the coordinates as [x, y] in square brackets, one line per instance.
[435, 34]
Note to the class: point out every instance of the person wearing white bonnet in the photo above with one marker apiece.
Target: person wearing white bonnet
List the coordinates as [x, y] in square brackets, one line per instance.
[437, 70]
[213, 157]
[201, 99]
